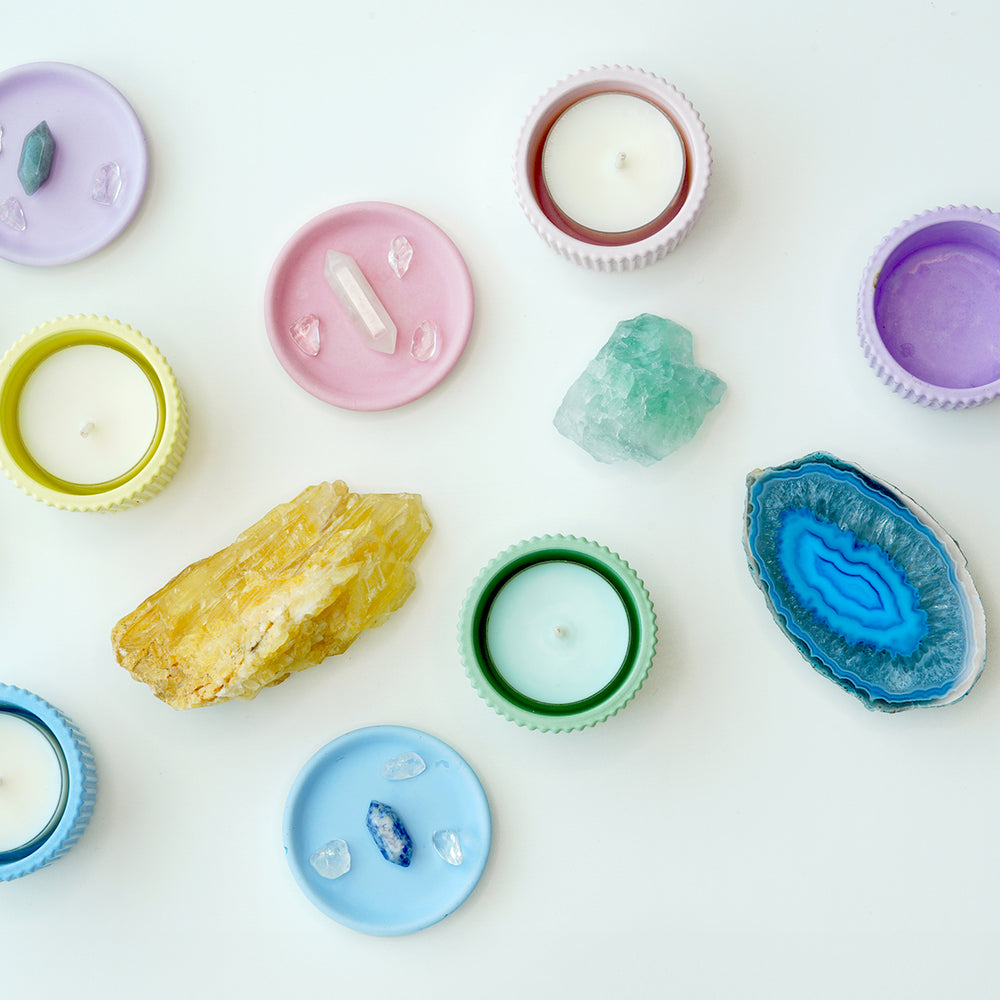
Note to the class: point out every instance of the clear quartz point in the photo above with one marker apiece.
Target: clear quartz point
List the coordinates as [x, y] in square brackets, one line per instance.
[358, 297]
[425, 342]
[332, 860]
[305, 334]
[107, 184]
[403, 766]
[1, 138]
[400, 255]
[11, 214]
[447, 844]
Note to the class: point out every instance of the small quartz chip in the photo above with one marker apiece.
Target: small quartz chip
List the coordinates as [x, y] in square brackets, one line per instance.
[36, 158]
[1, 138]
[425, 342]
[332, 860]
[305, 334]
[447, 844]
[403, 766]
[11, 214]
[107, 184]
[389, 834]
[400, 255]
[358, 298]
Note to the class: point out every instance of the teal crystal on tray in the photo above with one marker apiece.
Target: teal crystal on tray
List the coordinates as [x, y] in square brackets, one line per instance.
[868, 586]
[642, 397]
[36, 158]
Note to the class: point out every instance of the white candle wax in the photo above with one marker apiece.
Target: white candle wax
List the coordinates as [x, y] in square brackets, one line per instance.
[87, 414]
[31, 781]
[613, 162]
[557, 632]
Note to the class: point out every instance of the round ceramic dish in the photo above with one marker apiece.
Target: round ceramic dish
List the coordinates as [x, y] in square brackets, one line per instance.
[330, 800]
[162, 457]
[79, 777]
[929, 308]
[602, 251]
[436, 287]
[520, 707]
[92, 124]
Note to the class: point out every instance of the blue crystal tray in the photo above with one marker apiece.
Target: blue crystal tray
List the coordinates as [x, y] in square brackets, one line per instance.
[330, 799]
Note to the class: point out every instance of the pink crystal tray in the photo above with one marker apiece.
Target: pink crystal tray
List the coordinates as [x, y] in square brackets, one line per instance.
[435, 288]
[92, 125]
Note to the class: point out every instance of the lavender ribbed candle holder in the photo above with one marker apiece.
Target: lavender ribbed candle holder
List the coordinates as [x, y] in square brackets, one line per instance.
[929, 308]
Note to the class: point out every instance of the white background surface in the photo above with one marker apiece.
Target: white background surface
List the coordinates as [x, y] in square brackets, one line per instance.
[744, 828]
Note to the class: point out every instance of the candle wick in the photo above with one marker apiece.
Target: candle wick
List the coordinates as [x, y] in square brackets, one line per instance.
[620, 161]
[88, 428]
[561, 632]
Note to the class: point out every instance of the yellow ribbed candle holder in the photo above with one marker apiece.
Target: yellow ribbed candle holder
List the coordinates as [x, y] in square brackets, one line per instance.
[146, 476]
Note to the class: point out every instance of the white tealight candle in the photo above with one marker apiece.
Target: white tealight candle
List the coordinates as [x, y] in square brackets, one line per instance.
[87, 414]
[557, 632]
[31, 782]
[613, 163]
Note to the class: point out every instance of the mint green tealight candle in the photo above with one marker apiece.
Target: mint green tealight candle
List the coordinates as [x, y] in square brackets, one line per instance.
[557, 633]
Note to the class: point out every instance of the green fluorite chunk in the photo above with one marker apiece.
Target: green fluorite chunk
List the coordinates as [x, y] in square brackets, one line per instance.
[642, 397]
[36, 158]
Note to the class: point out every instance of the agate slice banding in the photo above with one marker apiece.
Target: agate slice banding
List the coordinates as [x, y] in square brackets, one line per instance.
[868, 586]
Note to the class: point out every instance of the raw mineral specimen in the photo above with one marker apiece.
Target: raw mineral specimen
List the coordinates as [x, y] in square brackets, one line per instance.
[403, 766]
[332, 860]
[296, 587]
[389, 834]
[400, 255]
[448, 846]
[107, 184]
[642, 397]
[305, 334]
[36, 158]
[11, 214]
[425, 341]
[869, 587]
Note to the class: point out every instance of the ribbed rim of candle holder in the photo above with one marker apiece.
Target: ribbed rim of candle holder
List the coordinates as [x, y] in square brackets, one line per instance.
[626, 252]
[524, 710]
[82, 779]
[949, 226]
[150, 474]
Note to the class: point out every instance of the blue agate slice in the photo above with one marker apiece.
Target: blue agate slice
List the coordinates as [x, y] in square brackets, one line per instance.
[869, 587]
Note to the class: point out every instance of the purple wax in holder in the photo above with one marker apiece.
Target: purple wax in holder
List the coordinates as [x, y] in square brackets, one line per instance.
[929, 308]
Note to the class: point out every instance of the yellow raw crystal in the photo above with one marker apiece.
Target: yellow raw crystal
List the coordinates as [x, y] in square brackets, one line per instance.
[296, 587]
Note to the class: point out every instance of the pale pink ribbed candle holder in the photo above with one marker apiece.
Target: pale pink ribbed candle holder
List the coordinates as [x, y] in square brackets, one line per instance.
[595, 248]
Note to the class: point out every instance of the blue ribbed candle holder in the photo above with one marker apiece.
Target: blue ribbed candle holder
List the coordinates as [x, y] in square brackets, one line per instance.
[79, 777]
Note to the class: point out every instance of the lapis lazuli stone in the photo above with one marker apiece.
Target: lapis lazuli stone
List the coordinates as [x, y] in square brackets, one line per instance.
[870, 588]
[389, 834]
[35, 164]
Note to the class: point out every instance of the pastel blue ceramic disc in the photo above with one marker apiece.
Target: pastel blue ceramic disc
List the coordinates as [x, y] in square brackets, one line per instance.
[330, 800]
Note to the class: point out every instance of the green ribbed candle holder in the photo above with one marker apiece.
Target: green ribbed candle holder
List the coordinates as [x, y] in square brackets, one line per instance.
[557, 633]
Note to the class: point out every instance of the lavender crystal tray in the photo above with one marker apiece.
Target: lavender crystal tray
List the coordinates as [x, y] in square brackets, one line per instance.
[330, 800]
[93, 126]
